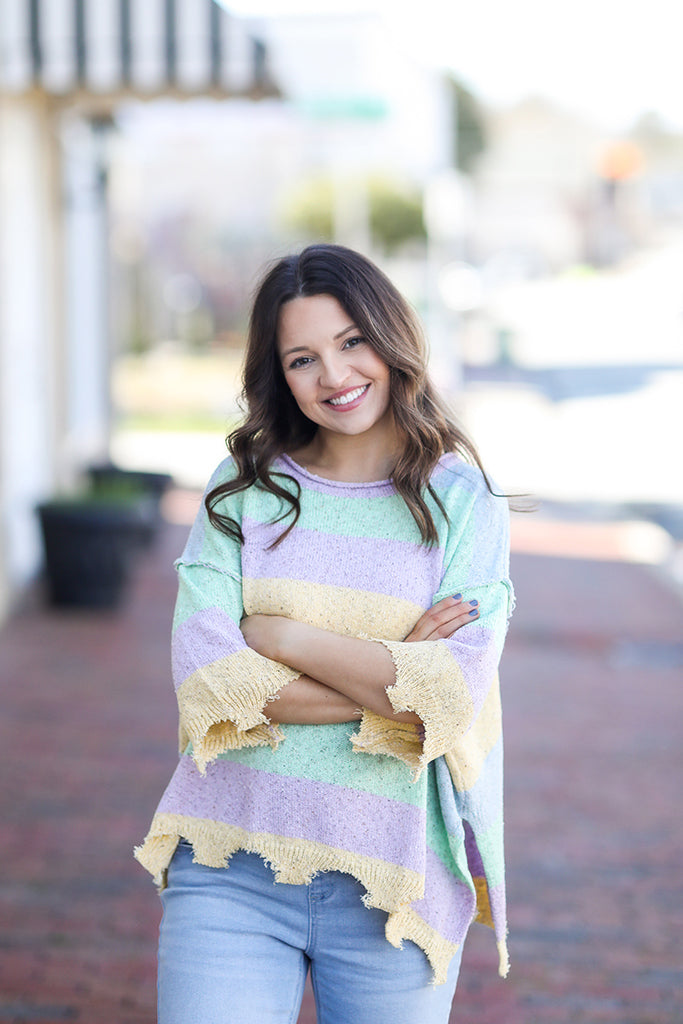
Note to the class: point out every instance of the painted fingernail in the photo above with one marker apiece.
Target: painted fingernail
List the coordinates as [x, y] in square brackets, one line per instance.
[475, 611]
[457, 597]
[474, 603]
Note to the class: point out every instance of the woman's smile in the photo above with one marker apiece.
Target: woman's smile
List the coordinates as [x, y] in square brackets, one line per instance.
[349, 399]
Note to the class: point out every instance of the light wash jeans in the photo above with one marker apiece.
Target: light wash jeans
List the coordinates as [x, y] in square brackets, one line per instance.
[235, 947]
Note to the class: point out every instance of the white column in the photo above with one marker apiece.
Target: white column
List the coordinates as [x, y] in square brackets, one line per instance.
[86, 262]
[29, 333]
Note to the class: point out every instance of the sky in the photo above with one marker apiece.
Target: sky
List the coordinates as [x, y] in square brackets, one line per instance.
[608, 59]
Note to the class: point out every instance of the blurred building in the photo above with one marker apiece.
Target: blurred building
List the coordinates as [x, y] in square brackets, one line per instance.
[65, 66]
[355, 106]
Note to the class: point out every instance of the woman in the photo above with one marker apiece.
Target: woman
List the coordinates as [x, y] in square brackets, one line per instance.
[343, 601]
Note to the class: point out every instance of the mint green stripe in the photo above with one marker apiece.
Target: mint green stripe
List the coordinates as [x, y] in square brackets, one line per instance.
[201, 588]
[323, 753]
[382, 516]
[447, 849]
[490, 845]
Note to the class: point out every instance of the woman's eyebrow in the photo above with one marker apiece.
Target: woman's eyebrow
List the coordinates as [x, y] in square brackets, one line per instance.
[351, 327]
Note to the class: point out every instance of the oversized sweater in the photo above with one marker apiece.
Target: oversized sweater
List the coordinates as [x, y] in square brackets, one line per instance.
[414, 813]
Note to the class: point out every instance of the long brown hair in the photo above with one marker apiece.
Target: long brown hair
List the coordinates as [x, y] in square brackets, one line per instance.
[274, 424]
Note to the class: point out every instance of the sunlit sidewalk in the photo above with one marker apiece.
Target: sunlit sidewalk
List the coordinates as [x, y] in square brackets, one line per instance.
[593, 696]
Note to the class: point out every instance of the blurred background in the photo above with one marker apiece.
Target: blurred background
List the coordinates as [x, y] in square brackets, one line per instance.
[516, 169]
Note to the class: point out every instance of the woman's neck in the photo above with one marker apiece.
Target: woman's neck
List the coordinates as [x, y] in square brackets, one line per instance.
[354, 459]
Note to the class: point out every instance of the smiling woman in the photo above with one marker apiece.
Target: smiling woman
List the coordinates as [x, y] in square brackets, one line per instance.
[338, 382]
[343, 601]
[416, 430]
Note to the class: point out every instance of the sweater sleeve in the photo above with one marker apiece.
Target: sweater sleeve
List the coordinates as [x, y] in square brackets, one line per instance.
[221, 684]
[447, 682]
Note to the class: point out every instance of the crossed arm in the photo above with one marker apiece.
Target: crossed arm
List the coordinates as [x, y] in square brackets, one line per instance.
[341, 674]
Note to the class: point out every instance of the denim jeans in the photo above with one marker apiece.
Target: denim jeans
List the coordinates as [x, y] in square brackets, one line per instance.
[235, 948]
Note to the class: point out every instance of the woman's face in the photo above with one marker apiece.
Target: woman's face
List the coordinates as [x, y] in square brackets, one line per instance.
[336, 377]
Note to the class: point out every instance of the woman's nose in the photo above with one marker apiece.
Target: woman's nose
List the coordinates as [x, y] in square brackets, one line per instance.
[333, 372]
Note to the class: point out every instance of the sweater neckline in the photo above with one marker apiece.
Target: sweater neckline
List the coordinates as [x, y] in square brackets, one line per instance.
[326, 481]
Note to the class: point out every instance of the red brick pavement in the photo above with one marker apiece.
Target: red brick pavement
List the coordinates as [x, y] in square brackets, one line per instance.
[593, 702]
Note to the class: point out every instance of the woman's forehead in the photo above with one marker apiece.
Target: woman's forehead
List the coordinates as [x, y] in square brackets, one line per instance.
[312, 319]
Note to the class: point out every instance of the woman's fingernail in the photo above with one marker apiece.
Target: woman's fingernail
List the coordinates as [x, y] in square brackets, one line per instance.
[474, 612]
[457, 597]
[474, 603]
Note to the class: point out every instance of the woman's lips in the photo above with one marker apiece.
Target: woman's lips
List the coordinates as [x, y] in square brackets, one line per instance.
[349, 400]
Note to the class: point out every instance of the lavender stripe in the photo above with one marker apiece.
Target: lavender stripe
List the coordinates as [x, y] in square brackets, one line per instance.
[474, 861]
[476, 651]
[490, 561]
[498, 910]
[448, 904]
[483, 802]
[205, 637]
[258, 801]
[448, 470]
[343, 561]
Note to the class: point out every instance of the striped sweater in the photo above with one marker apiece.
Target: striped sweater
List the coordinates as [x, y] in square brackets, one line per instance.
[413, 813]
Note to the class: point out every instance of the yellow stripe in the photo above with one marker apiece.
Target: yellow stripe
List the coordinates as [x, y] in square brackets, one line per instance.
[340, 609]
[484, 915]
[378, 735]
[503, 958]
[407, 924]
[430, 683]
[221, 704]
[467, 755]
[294, 861]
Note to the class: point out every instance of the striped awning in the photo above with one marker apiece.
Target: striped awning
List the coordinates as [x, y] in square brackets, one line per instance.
[119, 48]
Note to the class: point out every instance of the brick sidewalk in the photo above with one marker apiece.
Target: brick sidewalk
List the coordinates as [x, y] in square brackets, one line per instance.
[594, 741]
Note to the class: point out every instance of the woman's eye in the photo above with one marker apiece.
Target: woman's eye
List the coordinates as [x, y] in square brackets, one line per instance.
[352, 342]
[299, 361]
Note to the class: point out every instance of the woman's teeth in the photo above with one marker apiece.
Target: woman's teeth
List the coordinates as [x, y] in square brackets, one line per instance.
[350, 396]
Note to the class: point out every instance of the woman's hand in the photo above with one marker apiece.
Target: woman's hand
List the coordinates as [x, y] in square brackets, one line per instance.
[443, 619]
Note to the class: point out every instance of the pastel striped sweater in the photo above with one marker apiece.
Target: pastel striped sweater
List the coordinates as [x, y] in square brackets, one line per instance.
[414, 813]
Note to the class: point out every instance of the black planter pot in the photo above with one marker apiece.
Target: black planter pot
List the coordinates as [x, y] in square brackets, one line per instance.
[149, 487]
[89, 548]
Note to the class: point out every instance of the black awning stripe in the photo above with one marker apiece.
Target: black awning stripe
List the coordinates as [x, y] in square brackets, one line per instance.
[138, 46]
[170, 42]
[215, 43]
[35, 42]
[80, 49]
[125, 42]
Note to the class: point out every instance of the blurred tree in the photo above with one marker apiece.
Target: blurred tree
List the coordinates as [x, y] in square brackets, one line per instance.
[469, 134]
[310, 209]
[395, 214]
[394, 211]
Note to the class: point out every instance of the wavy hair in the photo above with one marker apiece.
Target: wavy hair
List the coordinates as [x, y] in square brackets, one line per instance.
[274, 424]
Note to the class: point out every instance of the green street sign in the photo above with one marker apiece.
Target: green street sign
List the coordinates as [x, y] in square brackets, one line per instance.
[360, 108]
